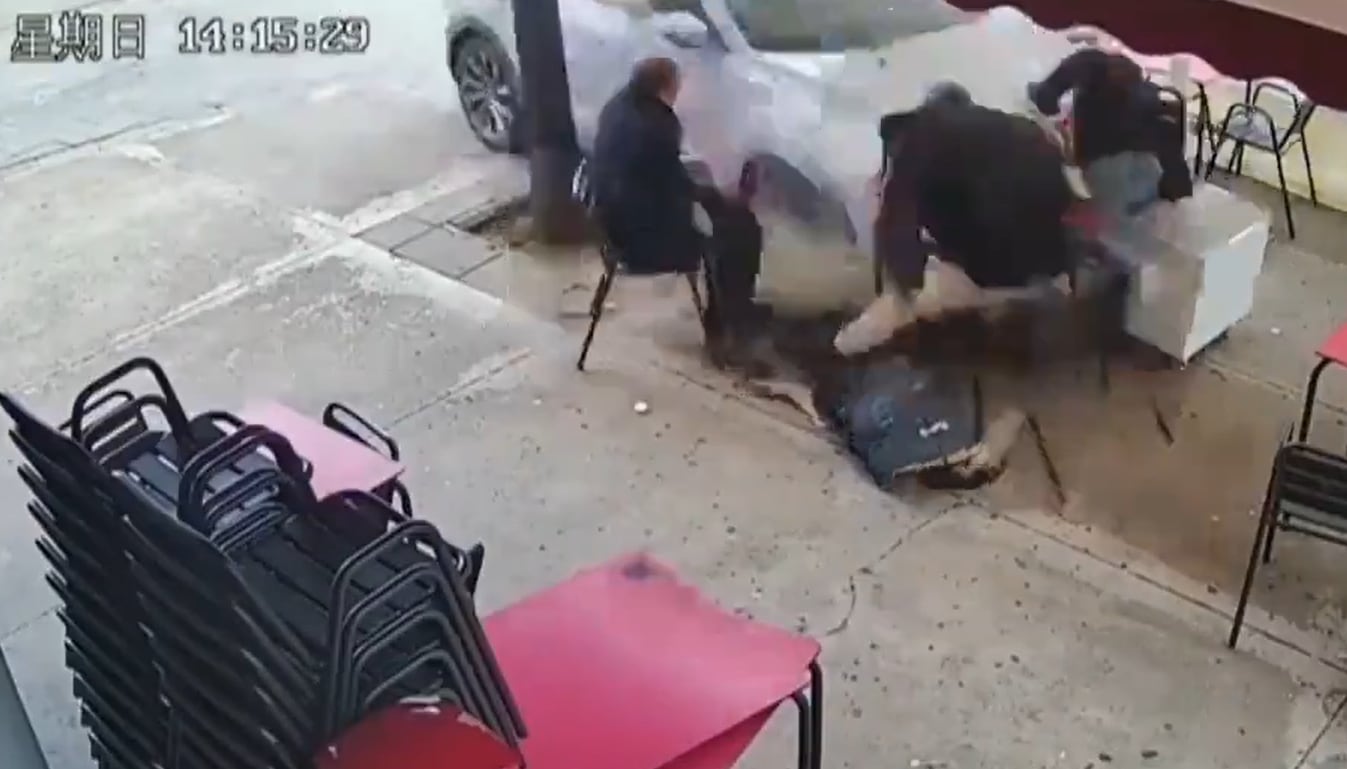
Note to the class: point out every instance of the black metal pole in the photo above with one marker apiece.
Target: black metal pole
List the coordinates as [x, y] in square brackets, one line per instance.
[18, 744]
[549, 126]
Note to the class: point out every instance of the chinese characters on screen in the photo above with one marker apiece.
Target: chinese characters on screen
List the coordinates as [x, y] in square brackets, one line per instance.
[76, 36]
[87, 37]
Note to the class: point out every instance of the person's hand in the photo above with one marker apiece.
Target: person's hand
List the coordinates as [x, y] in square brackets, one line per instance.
[874, 186]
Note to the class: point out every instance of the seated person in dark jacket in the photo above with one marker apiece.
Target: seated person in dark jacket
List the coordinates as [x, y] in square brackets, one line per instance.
[989, 188]
[1127, 141]
[644, 197]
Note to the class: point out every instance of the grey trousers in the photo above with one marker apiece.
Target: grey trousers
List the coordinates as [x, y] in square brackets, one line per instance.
[1122, 185]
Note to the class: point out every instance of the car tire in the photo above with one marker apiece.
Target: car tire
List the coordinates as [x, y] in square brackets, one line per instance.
[488, 91]
[781, 188]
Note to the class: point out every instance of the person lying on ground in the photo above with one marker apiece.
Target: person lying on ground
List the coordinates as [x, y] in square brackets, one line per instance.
[989, 188]
[1127, 141]
[645, 198]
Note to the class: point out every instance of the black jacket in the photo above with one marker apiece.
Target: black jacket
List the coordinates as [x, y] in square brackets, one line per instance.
[1116, 110]
[987, 185]
[643, 193]
[1113, 106]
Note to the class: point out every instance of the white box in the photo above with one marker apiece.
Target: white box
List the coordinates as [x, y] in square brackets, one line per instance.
[1195, 265]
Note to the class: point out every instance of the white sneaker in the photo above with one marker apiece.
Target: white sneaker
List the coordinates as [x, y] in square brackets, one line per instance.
[881, 320]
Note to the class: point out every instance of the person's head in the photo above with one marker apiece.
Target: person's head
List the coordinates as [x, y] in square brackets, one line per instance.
[948, 94]
[657, 78]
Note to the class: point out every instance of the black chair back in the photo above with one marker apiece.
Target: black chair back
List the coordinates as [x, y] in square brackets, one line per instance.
[1303, 109]
[218, 614]
[1310, 491]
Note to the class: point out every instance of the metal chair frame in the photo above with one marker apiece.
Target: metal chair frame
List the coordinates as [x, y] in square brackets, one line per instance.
[583, 193]
[1273, 516]
[1280, 141]
[1306, 494]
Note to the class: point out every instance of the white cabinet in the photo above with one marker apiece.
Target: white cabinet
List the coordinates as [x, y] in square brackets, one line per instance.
[1195, 264]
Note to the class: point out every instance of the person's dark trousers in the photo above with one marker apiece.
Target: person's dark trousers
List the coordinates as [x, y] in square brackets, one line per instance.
[734, 260]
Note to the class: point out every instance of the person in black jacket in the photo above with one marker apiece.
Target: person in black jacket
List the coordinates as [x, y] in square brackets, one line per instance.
[1127, 141]
[989, 188]
[644, 198]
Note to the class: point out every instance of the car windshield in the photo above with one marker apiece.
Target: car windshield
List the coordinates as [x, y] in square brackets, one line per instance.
[835, 25]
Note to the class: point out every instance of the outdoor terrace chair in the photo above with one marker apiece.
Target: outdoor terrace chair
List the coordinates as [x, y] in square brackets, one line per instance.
[1307, 493]
[1249, 124]
[582, 192]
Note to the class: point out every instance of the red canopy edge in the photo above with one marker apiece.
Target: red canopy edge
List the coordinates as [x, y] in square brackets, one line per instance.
[1240, 41]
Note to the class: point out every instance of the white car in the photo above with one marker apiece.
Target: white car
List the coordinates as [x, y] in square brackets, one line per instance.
[794, 86]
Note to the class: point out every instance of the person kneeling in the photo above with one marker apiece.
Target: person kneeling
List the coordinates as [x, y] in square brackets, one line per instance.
[990, 189]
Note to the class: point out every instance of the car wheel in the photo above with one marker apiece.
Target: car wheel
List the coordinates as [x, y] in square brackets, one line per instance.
[488, 90]
[803, 217]
[780, 189]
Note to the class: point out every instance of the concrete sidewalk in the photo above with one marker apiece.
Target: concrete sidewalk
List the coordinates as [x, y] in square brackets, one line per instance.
[954, 636]
[1189, 503]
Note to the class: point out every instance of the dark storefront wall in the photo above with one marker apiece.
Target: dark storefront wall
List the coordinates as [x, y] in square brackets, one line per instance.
[1240, 41]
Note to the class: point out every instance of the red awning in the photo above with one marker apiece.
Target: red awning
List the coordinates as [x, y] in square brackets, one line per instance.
[1241, 38]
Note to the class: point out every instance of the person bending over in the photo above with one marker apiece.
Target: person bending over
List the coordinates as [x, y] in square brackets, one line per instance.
[989, 188]
[644, 197]
[1127, 141]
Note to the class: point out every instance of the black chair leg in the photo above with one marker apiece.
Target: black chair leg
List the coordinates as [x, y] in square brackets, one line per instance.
[1197, 155]
[1265, 520]
[697, 297]
[1267, 541]
[1309, 168]
[1198, 135]
[805, 748]
[1238, 159]
[596, 312]
[1215, 152]
[816, 714]
[879, 276]
[1286, 196]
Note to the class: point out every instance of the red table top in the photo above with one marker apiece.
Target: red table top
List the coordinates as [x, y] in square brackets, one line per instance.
[339, 463]
[624, 666]
[1335, 347]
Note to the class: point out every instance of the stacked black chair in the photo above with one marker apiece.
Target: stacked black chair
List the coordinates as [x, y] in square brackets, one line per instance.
[217, 614]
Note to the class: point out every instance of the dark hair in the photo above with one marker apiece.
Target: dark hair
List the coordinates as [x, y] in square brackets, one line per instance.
[652, 77]
[949, 94]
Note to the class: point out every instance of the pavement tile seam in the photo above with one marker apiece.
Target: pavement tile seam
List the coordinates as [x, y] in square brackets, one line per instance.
[1141, 575]
[448, 184]
[136, 134]
[325, 233]
[404, 224]
[1135, 611]
[322, 246]
[472, 218]
[479, 265]
[1308, 753]
[478, 375]
[957, 503]
[1280, 643]
[29, 622]
[867, 568]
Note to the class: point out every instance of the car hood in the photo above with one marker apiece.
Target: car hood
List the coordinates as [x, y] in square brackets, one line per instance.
[994, 55]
